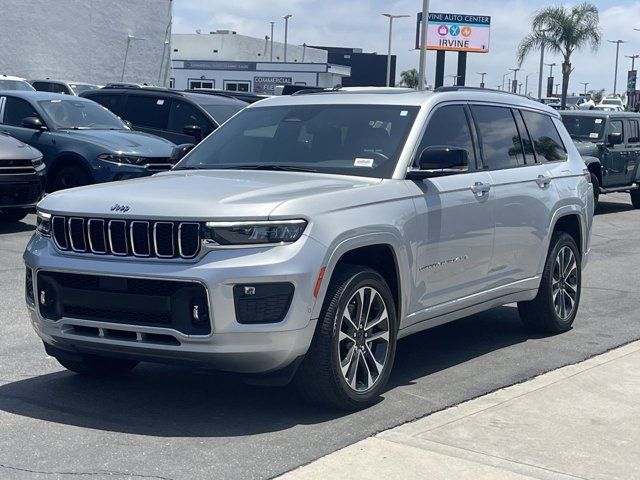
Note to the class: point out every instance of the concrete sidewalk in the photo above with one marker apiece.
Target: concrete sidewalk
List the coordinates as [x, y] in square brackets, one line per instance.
[578, 422]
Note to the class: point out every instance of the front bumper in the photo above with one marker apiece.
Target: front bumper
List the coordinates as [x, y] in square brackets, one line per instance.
[22, 190]
[231, 346]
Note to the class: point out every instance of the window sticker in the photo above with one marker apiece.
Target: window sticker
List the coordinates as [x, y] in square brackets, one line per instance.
[598, 120]
[363, 162]
[593, 135]
[160, 101]
[404, 113]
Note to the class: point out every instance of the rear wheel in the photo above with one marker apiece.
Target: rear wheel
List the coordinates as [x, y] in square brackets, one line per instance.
[555, 307]
[352, 353]
[13, 215]
[97, 366]
[635, 198]
[69, 177]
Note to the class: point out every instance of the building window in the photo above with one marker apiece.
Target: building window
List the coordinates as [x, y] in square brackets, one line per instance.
[202, 84]
[172, 83]
[235, 86]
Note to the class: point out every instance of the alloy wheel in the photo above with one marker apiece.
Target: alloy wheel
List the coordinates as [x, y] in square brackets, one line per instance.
[363, 340]
[565, 283]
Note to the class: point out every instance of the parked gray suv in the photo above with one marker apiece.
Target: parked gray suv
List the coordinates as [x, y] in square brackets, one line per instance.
[310, 232]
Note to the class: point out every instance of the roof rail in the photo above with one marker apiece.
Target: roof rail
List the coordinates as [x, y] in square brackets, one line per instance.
[457, 88]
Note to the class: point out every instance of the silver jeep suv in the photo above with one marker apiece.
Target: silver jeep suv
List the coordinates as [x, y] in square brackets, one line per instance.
[309, 233]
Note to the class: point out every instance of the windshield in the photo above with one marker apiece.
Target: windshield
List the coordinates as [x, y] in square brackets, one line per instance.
[610, 101]
[78, 89]
[15, 85]
[222, 113]
[363, 140]
[80, 114]
[583, 127]
[572, 100]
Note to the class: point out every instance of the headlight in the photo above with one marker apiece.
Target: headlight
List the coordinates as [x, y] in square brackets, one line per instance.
[43, 224]
[254, 233]
[117, 158]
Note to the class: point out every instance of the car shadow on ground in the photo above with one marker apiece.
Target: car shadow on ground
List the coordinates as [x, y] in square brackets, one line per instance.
[606, 207]
[16, 227]
[168, 401]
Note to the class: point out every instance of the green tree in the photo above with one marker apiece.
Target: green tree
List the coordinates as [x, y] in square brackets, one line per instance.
[563, 30]
[597, 95]
[409, 78]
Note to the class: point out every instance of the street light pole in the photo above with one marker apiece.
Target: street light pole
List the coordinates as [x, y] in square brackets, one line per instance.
[422, 73]
[633, 60]
[585, 86]
[515, 80]
[390, 17]
[615, 78]
[503, 77]
[271, 54]
[286, 31]
[482, 74]
[526, 83]
[126, 54]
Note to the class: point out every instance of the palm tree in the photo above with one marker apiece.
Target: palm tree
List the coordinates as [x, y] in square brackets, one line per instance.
[410, 78]
[563, 31]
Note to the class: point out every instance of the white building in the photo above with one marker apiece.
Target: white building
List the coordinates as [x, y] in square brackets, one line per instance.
[85, 40]
[226, 61]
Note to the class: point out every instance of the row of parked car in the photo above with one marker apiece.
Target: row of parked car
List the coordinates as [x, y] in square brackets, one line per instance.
[82, 134]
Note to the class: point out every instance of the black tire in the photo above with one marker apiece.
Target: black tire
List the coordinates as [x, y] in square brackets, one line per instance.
[97, 366]
[319, 378]
[596, 189]
[69, 177]
[635, 198]
[13, 215]
[540, 313]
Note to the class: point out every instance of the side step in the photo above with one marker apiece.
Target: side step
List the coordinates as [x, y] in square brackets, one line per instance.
[619, 189]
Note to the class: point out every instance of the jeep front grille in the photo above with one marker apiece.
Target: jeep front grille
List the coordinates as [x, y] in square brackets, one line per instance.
[127, 238]
[18, 166]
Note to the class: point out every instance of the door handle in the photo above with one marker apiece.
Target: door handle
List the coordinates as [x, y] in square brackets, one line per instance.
[543, 181]
[480, 188]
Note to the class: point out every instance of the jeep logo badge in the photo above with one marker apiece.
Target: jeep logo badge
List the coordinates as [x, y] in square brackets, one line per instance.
[119, 208]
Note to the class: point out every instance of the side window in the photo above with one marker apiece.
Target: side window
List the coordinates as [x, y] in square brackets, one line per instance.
[634, 132]
[615, 126]
[545, 136]
[449, 127]
[184, 114]
[147, 111]
[15, 109]
[59, 88]
[499, 139]
[110, 102]
[42, 86]
[529, 156]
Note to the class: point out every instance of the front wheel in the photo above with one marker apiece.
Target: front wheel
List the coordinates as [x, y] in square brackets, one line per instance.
[69, 177]
[350, 359]
[635, 198]
[555, 307]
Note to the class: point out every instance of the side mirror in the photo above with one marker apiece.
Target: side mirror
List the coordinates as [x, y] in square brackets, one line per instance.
[439, 161]
[34, 123]
[614, 139]
[180, 151]
[193, 130]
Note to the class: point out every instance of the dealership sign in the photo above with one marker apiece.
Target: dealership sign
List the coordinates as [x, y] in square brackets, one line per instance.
[456, 32]
[268, 84]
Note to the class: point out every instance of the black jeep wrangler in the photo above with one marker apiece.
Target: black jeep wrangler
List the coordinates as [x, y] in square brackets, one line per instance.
[609, 143]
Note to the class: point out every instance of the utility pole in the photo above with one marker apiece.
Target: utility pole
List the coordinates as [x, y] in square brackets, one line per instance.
[557, 85]
[390, 17]
[503, 77]
[126, 54]
[585, 86]
[286, 31]
[422, 72]
[526, 83]
[271, 55]
[551, 65]
[615, 77]
[482, 74]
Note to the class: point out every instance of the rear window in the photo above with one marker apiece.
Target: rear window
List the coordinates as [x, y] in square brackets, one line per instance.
[584, 127]
[545, 137]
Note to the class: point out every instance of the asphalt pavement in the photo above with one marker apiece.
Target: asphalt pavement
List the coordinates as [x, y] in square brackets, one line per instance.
[164, 422]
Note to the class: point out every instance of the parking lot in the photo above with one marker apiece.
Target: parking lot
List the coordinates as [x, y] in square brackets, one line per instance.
[172, 423]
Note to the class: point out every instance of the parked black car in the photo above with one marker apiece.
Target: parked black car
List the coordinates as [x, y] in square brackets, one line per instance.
[243, 96]
[22, 178]
[180, 117]
[609, 143]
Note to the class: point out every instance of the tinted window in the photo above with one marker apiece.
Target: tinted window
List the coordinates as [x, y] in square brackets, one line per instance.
[634, 132]
[222, 113]
[59, 88]
[183, 114]
[545, 136]
[147, 111]
[42, 86]
[499, 140]
[80, 88]
[15, 109]
[363, 140]
[529, 156]
[615, 126]
[584, 127]
[448, 127]
[111, 102]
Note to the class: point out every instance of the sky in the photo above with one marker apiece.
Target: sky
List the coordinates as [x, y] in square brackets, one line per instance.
[359, 23]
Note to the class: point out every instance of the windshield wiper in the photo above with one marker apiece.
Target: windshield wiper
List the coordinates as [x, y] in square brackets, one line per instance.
[279, 168]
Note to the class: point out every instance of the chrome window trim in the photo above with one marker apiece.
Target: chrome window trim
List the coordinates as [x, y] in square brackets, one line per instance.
[155, 240]
[104, 238]
[126, 245]
[69, 227]
[133, 243]
[198, 240]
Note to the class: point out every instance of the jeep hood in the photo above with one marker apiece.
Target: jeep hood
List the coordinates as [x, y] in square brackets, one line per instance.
[128, 142]
[586, 148]
[200, 195]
